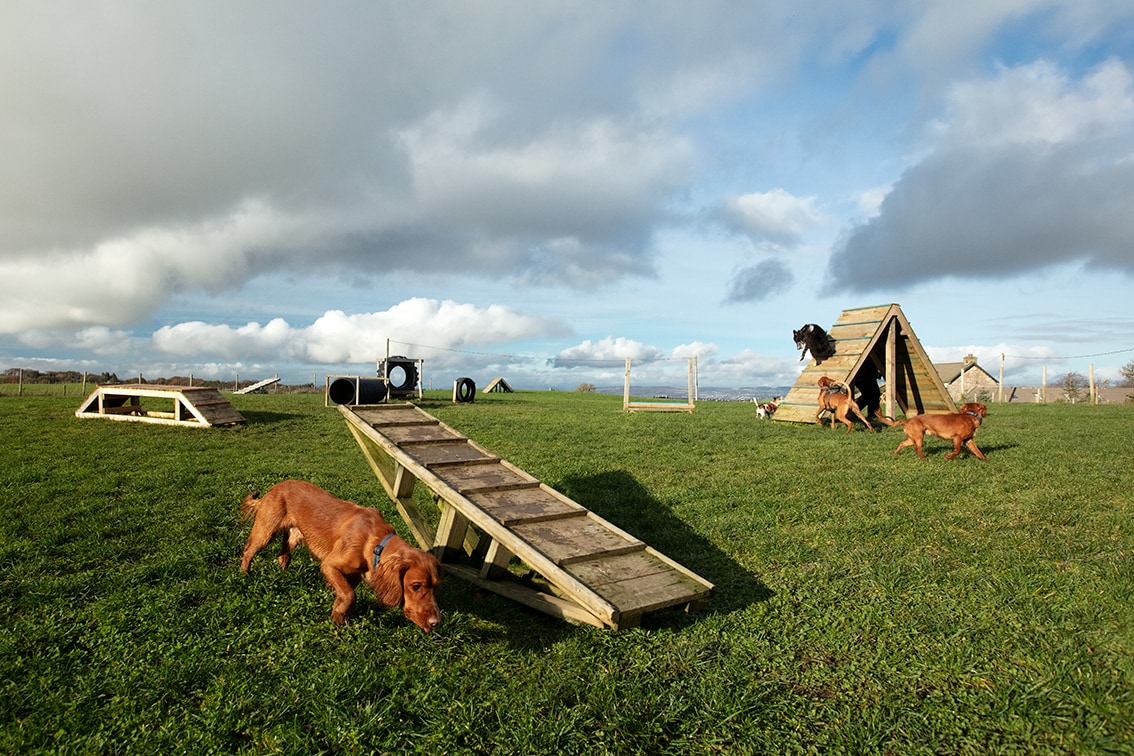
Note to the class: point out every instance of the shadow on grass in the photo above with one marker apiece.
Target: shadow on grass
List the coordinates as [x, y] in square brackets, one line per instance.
[268, 418]
[618, 497]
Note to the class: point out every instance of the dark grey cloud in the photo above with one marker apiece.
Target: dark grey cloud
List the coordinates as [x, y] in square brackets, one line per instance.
[759, 282]
[980, 214]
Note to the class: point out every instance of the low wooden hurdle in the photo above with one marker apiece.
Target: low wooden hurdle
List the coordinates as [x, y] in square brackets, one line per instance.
[194, 407]
[657, 406]
[493, 512]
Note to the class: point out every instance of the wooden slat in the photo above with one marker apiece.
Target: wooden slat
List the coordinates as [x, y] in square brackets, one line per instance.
[420, 434]
[451, 453]
[575, 539]
[529, 504]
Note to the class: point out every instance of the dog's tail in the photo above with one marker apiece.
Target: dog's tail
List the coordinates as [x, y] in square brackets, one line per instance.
[887, 421]
[248, 506]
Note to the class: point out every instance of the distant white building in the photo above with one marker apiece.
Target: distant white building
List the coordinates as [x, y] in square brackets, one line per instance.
[967, 381]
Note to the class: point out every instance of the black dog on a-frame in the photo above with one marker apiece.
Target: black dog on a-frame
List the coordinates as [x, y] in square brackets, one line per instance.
[812, 338]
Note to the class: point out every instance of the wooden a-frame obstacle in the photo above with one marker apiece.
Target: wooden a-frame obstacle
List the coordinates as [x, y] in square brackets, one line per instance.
[492, 511]
[258, 388]
[195, 407]
[881, 335]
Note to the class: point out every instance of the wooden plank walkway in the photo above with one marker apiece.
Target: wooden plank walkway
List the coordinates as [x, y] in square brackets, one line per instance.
[195, 407]
[492, 511]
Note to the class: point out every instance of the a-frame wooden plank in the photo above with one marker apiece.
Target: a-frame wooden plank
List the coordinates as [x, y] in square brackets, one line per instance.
[880, 334]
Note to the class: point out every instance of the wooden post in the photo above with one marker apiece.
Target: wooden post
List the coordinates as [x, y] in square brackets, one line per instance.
[1000, 387]
[962, 395]
[1043, 387]
[891, 368]
[236, 382]
[1093, 399]
[626, 388]
[386, 372]
[690, 380]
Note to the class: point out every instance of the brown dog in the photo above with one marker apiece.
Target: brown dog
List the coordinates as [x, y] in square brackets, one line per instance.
[958, 427]
[352, 543]
[838, 403]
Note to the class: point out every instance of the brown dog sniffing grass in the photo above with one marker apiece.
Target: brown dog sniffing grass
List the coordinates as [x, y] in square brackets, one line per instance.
[958, 427]
[351, 543]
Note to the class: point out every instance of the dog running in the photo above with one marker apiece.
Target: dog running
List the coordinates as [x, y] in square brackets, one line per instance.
[351, 543]
[958, 427]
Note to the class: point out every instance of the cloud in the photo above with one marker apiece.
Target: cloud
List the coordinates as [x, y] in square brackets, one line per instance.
[759, 282]
[428, 328]
[607, 352]
[775, 218]
[1031, 170]
[173, 151]
[749, 368]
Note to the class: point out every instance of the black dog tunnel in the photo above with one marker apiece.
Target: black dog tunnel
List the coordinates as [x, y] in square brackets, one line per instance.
[464, 390]
[352, 390]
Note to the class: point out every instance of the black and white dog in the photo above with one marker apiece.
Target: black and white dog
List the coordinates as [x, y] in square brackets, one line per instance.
[812, 338]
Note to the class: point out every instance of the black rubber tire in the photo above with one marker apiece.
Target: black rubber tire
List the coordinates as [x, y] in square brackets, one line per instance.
[464, 390]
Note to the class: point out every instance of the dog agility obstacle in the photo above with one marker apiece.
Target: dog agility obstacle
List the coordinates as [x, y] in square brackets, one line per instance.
[195, 407]
[657, 406]
[492, 511]
[882, 336]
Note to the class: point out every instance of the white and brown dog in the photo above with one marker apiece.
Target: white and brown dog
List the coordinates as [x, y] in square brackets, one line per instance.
[764, 410]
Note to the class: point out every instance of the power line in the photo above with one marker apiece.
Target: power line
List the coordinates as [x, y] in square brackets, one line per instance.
[591, 361]
[1074, 357]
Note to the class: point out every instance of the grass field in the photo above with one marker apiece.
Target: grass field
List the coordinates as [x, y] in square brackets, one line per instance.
[864, 604]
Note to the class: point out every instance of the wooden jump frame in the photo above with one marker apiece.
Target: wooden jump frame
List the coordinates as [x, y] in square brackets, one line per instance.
[194, 407]
[493, 513]
[655, 406]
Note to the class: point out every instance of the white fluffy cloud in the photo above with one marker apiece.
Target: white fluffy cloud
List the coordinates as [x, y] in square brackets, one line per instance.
[777, 217]
[427, 327]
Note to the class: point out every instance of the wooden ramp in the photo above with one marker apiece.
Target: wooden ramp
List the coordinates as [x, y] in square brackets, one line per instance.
[491, 511]
[196, 407]
[258, 388]
[498, 385]
[881, 335]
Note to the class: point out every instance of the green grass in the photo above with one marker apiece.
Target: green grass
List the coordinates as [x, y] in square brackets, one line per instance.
[864, 603]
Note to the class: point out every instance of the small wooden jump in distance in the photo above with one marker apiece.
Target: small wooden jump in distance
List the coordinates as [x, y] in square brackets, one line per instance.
[195, 407]
[258, 388]
[493, 511]
[629, 406]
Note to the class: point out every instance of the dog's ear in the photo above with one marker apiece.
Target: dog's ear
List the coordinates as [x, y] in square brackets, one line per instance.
[387, 577]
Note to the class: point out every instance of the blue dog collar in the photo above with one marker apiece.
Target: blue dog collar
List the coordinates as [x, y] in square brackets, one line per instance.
[378, 550]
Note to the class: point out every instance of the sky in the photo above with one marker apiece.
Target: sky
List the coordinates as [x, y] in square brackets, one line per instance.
[538, 191]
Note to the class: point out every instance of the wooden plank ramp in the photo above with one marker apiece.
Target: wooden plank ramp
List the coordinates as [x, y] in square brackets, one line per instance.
[494, 514]
[258, 388]
[195, 407]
